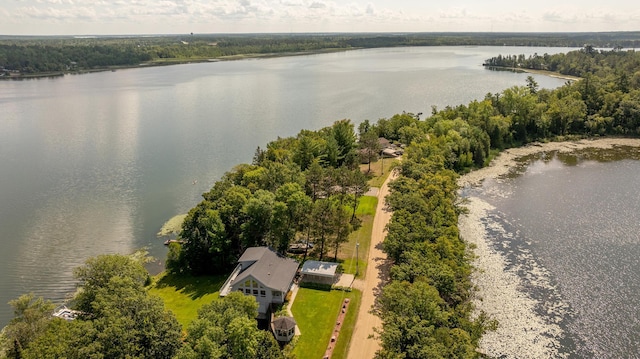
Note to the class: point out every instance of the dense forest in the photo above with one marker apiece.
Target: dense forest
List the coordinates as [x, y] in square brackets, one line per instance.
[306, 188]
[425, 309]
[575, 63]
[23, 56]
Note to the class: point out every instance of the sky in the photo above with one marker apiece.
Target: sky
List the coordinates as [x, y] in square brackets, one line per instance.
[119, 17]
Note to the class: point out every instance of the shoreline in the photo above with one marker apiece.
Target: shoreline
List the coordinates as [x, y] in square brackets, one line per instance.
[176, 61]
[521, 332]
[534, 71]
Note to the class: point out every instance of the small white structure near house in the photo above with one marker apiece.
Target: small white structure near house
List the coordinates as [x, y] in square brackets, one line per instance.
[390, 150]
[391, 153]
[263, 273]
[319, 272]
[65, 313]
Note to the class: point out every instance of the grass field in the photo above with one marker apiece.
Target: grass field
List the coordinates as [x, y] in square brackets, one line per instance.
[315, 312]
[184, 295]
[380, 170]
[367, 206]
[366, 211]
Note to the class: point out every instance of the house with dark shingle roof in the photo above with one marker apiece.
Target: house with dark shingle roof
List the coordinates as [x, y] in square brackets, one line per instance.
[263, 273]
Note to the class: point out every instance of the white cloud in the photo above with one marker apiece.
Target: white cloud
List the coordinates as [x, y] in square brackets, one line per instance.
[131, 16]
[558, 17]
[371, 10]
[317, 5]
[55, 14]
[454, 13]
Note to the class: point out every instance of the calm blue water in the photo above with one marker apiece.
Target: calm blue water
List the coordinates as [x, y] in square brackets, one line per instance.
[96, 163]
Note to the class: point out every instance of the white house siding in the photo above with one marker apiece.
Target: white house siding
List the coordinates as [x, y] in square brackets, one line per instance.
[251, 286]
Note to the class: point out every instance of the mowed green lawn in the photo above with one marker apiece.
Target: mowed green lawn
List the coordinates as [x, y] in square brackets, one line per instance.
[365, 211]
[184, 295]
[316, 312]
[380, 170]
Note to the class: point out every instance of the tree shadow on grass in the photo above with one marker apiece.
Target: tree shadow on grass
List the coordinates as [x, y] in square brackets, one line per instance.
[194, 287]
[316, 286]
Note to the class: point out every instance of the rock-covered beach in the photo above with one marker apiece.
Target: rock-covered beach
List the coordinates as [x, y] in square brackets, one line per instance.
[522, 331]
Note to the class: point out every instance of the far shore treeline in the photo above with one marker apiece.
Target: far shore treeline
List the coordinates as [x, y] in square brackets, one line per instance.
[426, 307]
[28, 56]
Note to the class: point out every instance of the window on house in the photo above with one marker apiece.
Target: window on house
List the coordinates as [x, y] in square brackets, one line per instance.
[247, 291]
[247, 283]
[276, 293]
[255, 292]
[263, 293]
[255, 284]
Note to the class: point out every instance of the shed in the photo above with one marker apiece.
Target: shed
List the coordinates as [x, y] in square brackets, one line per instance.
[319, 272]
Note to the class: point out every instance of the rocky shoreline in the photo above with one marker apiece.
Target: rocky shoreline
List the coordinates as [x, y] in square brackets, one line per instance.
[521, 332]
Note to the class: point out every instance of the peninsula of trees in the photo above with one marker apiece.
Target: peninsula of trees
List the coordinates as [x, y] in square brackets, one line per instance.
[426, 308]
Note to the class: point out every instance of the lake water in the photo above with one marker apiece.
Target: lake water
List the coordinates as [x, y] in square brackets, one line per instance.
[96, 163]
[568, 227]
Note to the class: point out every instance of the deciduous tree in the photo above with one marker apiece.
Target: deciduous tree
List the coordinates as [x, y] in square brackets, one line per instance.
[226, 328]
[31, 315]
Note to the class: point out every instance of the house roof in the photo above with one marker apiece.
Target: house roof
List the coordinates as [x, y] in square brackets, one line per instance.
[252, 254]
[268, 267]
[384, 142]
[283, 323]
[323, 269]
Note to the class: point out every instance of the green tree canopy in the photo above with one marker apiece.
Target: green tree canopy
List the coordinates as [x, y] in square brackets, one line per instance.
[31, 317]
[226, 328]
[98, 271]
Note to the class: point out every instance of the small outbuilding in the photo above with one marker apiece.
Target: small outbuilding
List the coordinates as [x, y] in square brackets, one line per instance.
[284, 328]
[319, 272]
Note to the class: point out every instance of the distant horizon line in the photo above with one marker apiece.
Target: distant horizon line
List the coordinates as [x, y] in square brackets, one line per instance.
[319, 33]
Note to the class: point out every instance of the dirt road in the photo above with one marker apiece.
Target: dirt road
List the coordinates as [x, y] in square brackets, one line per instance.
[363, 346]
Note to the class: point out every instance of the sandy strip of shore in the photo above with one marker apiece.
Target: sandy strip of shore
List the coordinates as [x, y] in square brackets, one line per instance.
[521, 333]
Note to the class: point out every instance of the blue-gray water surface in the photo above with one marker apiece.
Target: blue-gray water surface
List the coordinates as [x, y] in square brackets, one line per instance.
[96, 163]
[578, 215]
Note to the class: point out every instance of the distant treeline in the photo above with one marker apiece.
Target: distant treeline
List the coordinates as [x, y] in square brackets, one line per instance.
[576, 63]
[36, 55]
[31, 59]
